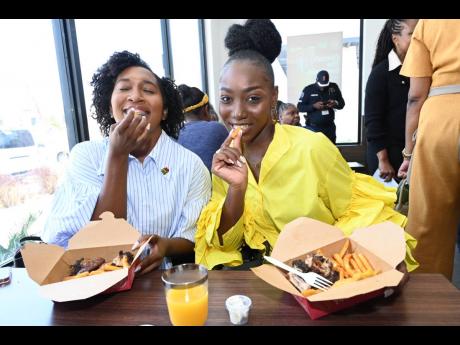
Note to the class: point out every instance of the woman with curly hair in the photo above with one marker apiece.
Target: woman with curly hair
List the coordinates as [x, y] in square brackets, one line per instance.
[136, 171]
[269, 174]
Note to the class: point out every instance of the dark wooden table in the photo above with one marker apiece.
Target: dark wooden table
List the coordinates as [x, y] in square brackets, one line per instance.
[427, 299]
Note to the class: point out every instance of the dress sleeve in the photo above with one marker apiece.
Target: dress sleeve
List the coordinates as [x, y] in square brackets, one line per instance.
[208, 250]
[357, 200]
[74, 200]
[417, 62]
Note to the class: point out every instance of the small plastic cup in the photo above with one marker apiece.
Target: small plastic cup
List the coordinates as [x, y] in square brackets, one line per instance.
[238, 309]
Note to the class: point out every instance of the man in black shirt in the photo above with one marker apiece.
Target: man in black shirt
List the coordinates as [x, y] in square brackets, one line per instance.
[319, 100]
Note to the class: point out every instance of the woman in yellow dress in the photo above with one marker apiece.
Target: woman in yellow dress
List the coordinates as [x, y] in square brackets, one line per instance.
[433, 64]
[266, 174]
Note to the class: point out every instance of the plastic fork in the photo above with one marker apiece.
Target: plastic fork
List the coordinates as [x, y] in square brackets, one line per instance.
[311, 278]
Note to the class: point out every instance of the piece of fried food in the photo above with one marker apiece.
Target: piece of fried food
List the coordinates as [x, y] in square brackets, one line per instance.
[123, 259]
[86, 265]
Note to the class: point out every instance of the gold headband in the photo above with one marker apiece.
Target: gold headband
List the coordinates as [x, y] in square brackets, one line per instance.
[202, 102]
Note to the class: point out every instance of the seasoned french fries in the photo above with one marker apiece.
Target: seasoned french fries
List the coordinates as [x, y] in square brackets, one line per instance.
[79, 275]
[365, 262]
[344, 248]
[358, 262]
[352, 266]
[309, 292]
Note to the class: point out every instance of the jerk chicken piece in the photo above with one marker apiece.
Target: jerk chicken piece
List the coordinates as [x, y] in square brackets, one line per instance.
[86, 265]
[313, 263]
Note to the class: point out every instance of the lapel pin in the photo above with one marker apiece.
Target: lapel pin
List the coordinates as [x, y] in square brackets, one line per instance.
[165, 170]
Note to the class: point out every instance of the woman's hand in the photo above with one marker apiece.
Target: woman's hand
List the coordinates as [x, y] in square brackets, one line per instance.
[158, 249]
[128, 134]
[403, 169]
[387, 171]
[229, 164]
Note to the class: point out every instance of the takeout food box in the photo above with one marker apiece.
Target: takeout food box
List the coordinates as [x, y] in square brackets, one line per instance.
[48, 264]
[383, 245]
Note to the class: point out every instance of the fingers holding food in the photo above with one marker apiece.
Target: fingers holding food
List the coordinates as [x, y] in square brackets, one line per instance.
[236, 134]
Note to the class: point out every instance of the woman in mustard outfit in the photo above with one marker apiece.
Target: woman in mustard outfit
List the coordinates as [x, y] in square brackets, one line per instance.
[433, 65]
[271, 174]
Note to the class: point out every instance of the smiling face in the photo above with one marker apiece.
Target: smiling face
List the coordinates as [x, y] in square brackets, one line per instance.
[137, 88]
[246, 99]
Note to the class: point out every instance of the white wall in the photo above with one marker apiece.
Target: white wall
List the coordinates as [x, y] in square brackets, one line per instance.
[216, 54]
[371, 31]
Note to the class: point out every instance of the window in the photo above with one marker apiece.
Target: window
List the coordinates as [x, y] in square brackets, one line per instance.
[186, 54]
[310, 38]
[33, 134]
[98, 39]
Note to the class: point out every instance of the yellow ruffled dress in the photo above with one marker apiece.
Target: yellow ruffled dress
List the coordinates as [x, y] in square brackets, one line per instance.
[302, 175]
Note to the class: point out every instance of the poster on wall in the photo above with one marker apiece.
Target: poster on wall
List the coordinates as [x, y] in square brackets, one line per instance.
[309, 54]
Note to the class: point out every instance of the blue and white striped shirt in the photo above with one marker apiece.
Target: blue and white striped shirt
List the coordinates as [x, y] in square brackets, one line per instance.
[166, 204]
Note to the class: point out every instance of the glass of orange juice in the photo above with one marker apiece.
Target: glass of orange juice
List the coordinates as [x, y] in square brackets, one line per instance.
[186, 289]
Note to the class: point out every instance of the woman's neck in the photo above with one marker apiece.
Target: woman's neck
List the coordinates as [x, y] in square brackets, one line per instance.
[141, 152]
[260, 143]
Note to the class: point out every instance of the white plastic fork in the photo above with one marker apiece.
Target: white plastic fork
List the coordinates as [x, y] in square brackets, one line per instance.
[311, 278]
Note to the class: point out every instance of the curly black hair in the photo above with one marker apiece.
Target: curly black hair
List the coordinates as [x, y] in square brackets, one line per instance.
[103, 82]
[257, 40]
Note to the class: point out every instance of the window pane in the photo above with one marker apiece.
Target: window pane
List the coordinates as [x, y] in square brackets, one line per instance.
[346, 74]
[33, 135]
[185, 46]
[98, 39]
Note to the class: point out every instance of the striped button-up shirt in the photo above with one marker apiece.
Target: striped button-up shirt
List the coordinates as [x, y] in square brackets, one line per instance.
[165, 193]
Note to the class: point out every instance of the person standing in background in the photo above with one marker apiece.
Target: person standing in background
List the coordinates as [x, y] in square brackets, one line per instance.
[386, 99]
[200, 134]
[433, 110]
[319, 100]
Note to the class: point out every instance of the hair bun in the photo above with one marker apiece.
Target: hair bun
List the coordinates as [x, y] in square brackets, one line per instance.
[260, 35]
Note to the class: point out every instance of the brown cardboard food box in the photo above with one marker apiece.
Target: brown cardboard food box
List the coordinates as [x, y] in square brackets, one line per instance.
[383, 245]
[48, 264]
